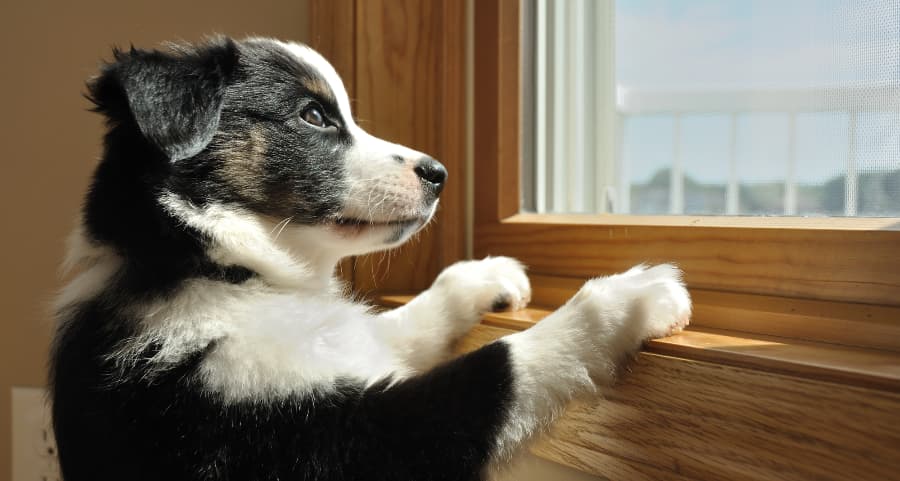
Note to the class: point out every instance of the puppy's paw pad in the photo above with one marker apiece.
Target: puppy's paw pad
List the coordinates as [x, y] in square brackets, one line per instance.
[514, 287]
[501, 303]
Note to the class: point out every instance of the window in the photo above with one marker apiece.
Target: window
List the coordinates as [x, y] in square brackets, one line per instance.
[834, 262]
[711, 107]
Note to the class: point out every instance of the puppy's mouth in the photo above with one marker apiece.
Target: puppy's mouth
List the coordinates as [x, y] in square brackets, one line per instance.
[349, 224]
[354, 223]
[354, 226]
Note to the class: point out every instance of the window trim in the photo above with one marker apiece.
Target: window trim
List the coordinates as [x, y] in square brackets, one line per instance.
[847, 260]
[407, 85]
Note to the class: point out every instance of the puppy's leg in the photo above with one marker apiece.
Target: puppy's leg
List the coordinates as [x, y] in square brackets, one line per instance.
[447, 423]
[479, 409]
[424, 329]
[583, 344]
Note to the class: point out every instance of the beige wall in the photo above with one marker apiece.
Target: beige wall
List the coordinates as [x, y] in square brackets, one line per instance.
[50, 142]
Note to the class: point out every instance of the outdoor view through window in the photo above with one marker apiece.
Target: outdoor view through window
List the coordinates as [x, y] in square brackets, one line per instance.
[721, 107]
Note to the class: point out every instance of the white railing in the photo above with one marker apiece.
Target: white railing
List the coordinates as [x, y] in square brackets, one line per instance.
[577, 171]
[851, 100]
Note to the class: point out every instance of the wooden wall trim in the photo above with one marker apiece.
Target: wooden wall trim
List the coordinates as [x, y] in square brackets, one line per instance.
[332, 32]
[853, 266]
[453, 132]
[867, 326]
[404, 64]
[498, 110]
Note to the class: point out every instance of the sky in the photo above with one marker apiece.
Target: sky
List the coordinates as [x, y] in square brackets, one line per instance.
[756, 43]
[674, 45]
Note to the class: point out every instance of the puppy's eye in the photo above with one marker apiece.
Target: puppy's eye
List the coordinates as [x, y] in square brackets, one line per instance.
[313, 116]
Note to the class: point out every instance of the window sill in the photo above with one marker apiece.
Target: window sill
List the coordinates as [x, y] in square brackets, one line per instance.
[710, 404]
[869, 368]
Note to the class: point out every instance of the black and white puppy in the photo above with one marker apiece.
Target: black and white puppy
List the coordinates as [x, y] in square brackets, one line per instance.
[205, 337]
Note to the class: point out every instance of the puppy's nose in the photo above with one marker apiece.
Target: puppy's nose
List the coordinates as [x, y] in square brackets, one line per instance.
[432, 173]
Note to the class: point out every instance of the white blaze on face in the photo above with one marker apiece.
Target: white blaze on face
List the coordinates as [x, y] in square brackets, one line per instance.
[312, 58]
[383, 185]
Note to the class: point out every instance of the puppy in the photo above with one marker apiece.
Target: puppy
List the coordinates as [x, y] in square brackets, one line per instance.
[205, 337]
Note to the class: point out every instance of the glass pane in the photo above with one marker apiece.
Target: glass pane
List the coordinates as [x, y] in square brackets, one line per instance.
[712, 107]
[704, 149]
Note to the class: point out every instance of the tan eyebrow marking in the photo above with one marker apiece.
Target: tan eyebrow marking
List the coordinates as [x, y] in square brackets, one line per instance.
[318, 87]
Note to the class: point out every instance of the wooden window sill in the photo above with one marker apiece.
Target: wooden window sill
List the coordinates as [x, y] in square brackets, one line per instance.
[711, 404]
[870, 368]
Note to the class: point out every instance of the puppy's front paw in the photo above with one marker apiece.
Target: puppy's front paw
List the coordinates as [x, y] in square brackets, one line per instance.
[606, 322]
[664, 300]
[640, 304]
[491, 284]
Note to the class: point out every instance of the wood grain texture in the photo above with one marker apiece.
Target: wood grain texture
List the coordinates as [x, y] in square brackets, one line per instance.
[410, 80]
[677, 419]
[330, 24]
[854, 266]
[845, 323]
[331, 32]
[498, 85]
[454, 133]
[827, 362]
[849, 324]
[403, 62]
[870, 368]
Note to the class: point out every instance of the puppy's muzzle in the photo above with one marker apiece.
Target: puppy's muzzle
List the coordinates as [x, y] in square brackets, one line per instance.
[433, 176]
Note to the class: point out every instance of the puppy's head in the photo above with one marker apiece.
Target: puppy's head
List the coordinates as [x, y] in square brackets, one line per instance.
[264, 128]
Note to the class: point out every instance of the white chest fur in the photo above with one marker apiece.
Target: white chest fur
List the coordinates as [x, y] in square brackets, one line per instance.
[267, 343]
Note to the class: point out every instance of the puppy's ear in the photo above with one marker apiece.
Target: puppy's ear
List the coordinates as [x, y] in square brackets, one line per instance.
[174, 98]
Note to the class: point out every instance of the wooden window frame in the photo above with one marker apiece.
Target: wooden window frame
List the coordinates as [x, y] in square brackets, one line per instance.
[780, 272]
[403, 65]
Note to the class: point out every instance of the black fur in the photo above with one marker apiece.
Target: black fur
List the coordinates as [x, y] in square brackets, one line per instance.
[112, 425]
[236, 89]
[177, 120]
[175, 100]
